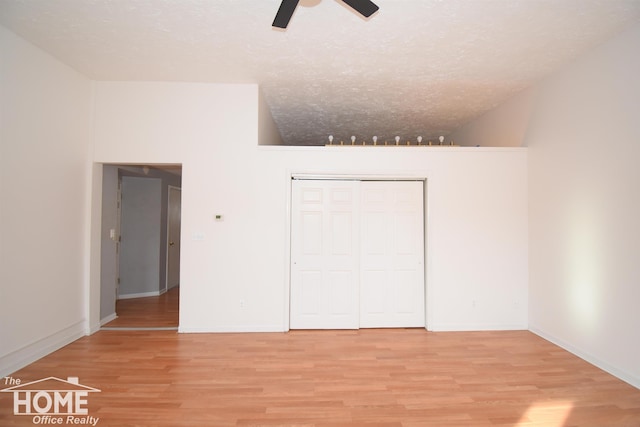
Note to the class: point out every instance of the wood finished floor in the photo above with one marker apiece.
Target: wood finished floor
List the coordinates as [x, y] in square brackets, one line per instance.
[384, 378]
[149, 312]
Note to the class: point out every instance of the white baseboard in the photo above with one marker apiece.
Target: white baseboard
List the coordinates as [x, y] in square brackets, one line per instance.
[109, 318]
[141, 295]
[471, 327]
[30, 353]
[93, 329]
[619, 373]
[231, 329]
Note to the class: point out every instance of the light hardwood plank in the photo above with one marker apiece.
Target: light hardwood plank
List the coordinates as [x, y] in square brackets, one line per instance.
[148, 312]
[385, 378]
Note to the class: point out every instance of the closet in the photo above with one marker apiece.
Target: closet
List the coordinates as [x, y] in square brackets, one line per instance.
[357, 254]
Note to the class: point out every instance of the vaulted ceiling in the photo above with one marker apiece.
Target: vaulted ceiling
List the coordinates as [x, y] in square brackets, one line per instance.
[416, 67]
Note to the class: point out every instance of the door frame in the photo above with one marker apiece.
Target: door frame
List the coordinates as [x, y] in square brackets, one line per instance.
[291, 175]
[169, 189]
[118, 236]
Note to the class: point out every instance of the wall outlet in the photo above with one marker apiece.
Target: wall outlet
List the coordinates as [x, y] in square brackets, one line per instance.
[242, 303]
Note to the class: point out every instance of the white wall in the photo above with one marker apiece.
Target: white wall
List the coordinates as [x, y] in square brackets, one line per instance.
[477, 207]
[504, 126]
[585, 208]
[108, 255]
[44, 158]
[582, 130]
[268, 133]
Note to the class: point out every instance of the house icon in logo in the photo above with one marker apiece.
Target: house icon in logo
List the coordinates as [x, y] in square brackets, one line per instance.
[52, 396]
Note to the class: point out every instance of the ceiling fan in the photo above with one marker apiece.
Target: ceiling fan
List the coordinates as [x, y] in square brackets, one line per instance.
[365, 8]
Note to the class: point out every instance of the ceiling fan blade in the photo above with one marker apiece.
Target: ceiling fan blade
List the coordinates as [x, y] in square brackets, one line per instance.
[365, 8]
[285, 12]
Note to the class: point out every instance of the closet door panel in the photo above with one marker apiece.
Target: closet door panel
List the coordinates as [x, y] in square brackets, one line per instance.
[324, 255]
[392, 254]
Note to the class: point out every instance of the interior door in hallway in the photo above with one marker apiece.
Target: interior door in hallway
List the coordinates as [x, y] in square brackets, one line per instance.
[324, 255]
[173, 236]
[392, 254]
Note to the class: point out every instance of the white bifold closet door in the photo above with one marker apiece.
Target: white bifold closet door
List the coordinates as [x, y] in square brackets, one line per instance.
[325, 256]
[392, 254]
[357, 252]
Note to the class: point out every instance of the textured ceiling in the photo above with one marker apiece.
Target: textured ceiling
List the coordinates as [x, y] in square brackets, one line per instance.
[416, 67]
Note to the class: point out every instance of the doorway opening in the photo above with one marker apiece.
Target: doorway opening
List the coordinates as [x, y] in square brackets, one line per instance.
[140, 246]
